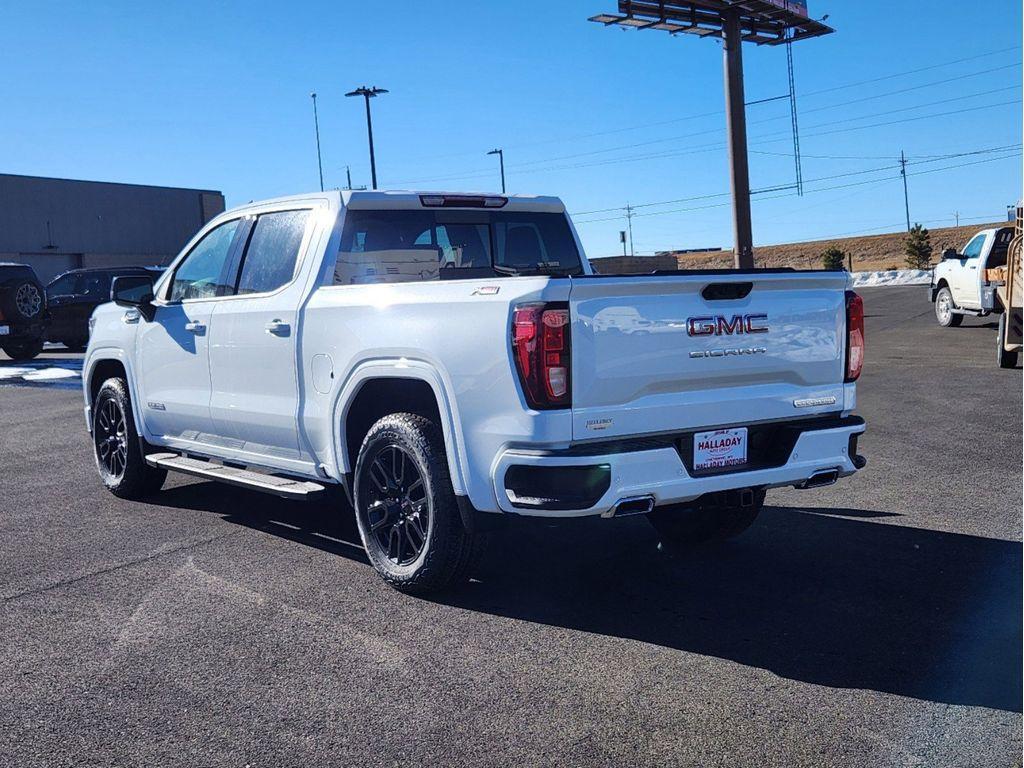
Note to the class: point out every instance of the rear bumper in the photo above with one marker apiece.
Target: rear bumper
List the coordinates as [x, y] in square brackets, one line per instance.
[598, 477]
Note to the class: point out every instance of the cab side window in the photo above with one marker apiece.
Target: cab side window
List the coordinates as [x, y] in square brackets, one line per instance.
[973, 249]
[273, 250]
[200, 275]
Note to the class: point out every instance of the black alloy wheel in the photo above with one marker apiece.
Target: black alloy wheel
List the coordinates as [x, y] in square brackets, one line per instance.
[111, 438]
[397, 508]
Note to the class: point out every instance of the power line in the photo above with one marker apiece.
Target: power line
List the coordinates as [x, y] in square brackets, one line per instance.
[481, 173]
[811, 191]
[934, 158]
[765, 139]
[686, 118]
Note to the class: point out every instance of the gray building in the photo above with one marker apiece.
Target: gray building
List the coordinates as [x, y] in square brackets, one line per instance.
[60, 224]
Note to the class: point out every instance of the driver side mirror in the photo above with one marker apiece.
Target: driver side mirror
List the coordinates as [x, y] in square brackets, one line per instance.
[950, 253]
[135, 291]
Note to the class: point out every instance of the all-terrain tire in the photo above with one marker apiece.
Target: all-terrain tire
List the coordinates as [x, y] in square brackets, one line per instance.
[22, 350]
[128, 476]
[447, 548]
[687, 525]
[944, 313]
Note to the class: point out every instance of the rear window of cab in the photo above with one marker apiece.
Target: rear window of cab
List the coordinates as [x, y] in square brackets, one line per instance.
[395, 246]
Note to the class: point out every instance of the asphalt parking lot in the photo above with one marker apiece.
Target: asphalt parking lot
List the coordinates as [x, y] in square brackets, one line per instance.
[876, 622]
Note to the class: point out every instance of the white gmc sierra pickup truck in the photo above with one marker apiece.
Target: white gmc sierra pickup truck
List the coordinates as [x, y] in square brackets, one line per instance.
[451, 360]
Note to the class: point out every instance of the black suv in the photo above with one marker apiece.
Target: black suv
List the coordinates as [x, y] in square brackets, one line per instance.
[23, 316]
[72, 296]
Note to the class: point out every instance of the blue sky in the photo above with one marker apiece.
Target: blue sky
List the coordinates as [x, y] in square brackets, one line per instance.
[216, 95]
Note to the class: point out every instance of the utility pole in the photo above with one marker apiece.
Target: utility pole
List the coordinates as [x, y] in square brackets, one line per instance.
[906, 197]
[369, 93]
[316, 124]
[348, 178]
[501, 159]
[736, 120]
[956, 215]
[629, 223]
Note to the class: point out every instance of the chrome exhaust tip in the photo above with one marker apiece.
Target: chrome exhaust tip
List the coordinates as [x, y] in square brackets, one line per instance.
[819, 479]
[631, 505]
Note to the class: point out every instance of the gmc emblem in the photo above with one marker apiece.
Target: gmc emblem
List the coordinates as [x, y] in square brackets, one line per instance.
[722, 326]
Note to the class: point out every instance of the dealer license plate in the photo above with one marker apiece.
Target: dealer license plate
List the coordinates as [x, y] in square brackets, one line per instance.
[721, 448]
[5, 330]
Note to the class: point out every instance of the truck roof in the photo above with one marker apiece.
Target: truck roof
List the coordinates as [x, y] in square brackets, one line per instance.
[411, 199]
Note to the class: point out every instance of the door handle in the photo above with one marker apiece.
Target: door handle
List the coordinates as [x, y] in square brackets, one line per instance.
[278, 328]
[197, 328]
[973, 266]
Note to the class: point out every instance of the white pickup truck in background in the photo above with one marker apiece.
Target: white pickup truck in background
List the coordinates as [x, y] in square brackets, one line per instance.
[450, 360]
[959, 286]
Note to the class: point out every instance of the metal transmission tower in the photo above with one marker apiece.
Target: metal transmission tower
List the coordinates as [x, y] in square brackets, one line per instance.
[369, 93]
[762, 22]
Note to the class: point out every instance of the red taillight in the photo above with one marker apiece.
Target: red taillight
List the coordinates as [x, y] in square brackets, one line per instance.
[854, 335]
[540, 346]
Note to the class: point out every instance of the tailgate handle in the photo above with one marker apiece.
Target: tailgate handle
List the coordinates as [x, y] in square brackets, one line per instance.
[726, 291]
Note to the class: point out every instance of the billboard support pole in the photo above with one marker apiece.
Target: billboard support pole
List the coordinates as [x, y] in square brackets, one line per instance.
[736, 119]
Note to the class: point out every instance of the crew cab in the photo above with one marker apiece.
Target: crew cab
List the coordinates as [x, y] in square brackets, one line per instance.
[451, 361]
[959, 285]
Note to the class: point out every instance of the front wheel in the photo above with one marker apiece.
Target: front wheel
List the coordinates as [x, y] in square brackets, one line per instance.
[713, 517]
[117, 447]
[944, 309]
[406, 511]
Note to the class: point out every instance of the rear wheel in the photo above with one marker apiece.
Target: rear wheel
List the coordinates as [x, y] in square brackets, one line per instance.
[117, 447]
[1005, 358]
[22, 350]
[713, 517]
[406, 511]
[944, 307]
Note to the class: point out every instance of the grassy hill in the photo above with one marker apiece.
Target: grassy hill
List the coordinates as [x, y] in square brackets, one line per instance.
[870, 253]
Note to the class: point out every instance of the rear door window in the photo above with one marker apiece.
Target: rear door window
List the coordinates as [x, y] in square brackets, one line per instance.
[273, 251]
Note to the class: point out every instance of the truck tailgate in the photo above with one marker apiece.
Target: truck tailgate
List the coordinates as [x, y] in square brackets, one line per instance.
[669, 353]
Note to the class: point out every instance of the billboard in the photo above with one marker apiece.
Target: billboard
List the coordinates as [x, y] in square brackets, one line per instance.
[798, 7]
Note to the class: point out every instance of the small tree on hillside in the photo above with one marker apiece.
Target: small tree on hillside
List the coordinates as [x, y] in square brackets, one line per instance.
[918, 248]
[834, 258]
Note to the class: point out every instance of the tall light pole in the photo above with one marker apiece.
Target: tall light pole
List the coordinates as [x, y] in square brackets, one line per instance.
[316, 124]
[369, 93]
[501, 160]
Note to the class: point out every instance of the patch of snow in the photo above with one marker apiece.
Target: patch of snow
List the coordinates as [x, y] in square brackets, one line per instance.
[13, 372]
[47, 374]
[892, 277]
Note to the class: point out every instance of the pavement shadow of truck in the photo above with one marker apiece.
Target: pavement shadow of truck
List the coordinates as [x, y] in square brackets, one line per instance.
[826, 596]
